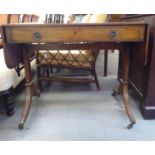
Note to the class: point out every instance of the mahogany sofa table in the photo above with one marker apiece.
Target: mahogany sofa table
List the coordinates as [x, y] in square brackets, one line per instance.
[20, 39]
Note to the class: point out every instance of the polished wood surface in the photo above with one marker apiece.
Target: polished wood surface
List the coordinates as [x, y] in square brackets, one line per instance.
[74, 33]
[98, 32]
[8, 18]
[4, 19]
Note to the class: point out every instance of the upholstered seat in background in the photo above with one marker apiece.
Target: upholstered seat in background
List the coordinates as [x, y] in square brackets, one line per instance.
[72, 58]
[10, 78]
[75, 59]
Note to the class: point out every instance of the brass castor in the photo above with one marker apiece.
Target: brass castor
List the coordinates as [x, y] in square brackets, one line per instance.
[129, 126]
[115, 92]
[20, 125]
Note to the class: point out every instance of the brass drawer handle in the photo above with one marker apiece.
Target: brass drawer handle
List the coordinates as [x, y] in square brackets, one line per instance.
[36, 36]
[113, 35]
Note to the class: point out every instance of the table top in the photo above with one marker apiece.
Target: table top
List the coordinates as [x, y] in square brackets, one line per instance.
[100, 32]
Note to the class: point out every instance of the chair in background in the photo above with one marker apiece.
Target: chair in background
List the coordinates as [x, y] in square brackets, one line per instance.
[4, 18]
[34, 18]
[26, 18]
[70, 59]
[75, 18]
[54, 18]
[14, 18]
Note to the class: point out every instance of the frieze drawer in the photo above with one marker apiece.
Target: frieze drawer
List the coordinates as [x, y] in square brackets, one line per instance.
[75, 33]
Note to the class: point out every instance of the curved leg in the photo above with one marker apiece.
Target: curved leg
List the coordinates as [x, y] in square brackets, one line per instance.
[39, 85]
[96, 79]
[123, 88]
[29, 86]
[125, 95]
[124, 84]
[28, 99]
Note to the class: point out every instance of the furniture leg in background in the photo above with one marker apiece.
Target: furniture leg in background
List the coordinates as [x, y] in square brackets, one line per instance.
[8, 100]
[105, 62]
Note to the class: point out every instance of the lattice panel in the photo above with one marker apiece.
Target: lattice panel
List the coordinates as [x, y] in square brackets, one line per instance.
[72, 58]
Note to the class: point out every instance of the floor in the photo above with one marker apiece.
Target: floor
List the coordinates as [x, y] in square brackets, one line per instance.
[78, 112]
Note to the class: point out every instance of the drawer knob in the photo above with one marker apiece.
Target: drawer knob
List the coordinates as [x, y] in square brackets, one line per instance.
[113, 35]
[37, 36]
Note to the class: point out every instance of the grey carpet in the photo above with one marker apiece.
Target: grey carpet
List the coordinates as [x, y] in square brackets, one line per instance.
[78, 112]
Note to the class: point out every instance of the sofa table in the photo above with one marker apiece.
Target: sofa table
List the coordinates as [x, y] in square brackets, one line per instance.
[33, 37]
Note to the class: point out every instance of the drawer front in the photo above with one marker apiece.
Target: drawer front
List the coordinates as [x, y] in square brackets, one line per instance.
[31, 34]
